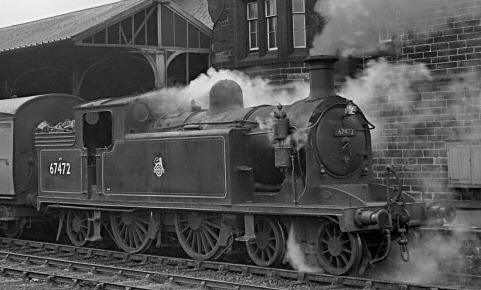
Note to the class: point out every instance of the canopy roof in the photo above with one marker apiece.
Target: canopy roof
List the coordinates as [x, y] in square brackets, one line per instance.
[79, 24]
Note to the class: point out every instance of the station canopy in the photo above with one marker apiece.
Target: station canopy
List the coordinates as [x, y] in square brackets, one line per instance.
[157, 40]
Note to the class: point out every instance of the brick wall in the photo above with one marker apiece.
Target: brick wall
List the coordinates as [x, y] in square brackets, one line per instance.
[222, 13]
[415, 126]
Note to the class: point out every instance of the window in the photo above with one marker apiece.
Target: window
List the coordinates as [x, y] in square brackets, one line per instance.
[299, 23]
[252, 19]
[385, 33]
[273, 29]
[386, 25]
[271, 24]
[97, 130]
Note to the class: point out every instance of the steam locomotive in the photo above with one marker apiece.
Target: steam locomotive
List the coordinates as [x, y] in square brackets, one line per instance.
[209, 178]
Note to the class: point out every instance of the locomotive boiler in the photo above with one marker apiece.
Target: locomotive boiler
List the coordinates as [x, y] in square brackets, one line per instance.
[207, 179]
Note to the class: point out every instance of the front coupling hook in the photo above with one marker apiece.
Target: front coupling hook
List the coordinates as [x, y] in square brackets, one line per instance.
[403, 241]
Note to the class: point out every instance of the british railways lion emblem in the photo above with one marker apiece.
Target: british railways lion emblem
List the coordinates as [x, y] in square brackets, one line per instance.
[158, 167]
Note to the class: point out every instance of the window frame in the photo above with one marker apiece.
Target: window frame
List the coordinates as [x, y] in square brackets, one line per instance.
[304, 27]
[386, 29]
[271, 15]
[250, 20]
[285, 50]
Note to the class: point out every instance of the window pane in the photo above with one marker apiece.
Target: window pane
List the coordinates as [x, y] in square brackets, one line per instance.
[253, 26]
[272, 24]
[298, 21]
[253, 35]
[271, 9]
[253, 41]
[298, 6]
[272, 32]
[272, 40]
[251, 10]
[299, 38]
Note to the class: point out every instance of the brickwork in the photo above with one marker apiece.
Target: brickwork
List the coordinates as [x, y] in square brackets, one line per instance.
[223, 16]
[280, 74]
[414, 127]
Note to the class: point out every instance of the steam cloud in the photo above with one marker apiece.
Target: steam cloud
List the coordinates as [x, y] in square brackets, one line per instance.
[295, 256]
[431, 256]
[351, 25]
[256, 91]
[361, 27]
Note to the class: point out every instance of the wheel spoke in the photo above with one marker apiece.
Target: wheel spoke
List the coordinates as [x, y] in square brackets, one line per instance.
[139, 232]
[185, 229]
[210, 232]
[211, 224]
[208, 237]
[190, 236]
[141, 228]
[137, 236]
[199, 242]
[206, 243]
[345, 259]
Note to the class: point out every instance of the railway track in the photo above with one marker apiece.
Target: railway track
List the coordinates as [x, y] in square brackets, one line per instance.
[56, 264]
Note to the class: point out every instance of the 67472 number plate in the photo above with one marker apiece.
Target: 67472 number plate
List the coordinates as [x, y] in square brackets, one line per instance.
[344, 132]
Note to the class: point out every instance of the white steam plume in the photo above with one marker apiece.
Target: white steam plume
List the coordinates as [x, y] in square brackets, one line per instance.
[382, 79]
[431, 256]
[363, 27]
[256, 91]
[350, 25]
[295, 256]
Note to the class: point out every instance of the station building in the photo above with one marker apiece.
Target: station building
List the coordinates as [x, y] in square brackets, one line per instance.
[107, 51]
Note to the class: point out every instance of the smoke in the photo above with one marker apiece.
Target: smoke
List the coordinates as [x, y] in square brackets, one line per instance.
[256, 91]
[351, 25]
[384, 85]
[295, 255]
[382, 79]
[363, 27]
[430, 256]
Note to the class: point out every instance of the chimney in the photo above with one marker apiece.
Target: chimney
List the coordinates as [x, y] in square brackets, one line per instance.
[321, 76]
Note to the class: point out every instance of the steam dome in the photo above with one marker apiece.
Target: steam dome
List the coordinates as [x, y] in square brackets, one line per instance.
[225, 95]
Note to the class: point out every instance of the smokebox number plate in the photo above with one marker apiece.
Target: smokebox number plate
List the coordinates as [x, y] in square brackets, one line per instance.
[344, 132]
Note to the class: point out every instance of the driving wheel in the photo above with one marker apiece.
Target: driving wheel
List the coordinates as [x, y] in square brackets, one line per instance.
[130, 230]
[78, 227]
[337, 252]
[199, 234]
[268, 247]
